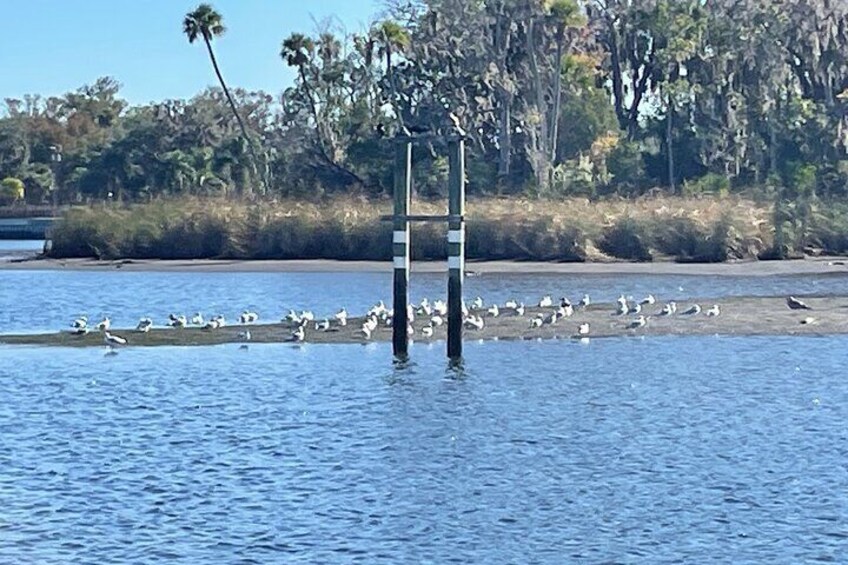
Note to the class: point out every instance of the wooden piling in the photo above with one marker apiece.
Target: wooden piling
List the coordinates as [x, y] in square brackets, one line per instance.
[400, 246]
[456, 245]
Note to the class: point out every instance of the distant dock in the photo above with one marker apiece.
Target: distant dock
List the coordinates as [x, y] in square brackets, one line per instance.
[25, 228]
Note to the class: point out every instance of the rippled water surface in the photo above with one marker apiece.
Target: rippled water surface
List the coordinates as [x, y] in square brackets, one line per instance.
[19, 248]
[622, 450]
[654, 450]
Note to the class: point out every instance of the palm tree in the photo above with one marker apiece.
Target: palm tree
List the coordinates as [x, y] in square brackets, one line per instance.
[391, 38]
[205, 22]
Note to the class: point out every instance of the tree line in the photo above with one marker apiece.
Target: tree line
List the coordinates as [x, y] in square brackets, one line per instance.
[557, 98]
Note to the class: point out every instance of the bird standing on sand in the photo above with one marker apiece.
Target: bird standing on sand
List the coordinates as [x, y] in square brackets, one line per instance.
[795, 304]
[713, 311]
[691, 311]
[583, 329]
[144, 325]
[248, 317]
[585, 301]
[113, 341]
[639, 322]
[427, 331]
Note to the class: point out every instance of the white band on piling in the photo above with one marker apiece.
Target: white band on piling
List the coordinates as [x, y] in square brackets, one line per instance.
[401, 262]
[400, 236]
[455, 262]
[456, 236]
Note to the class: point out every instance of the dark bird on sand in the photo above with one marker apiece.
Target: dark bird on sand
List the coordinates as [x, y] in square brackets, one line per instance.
[795, 304]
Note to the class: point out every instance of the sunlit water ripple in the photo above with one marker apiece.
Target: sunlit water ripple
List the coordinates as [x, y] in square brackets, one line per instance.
[655, 450]
[622, 450]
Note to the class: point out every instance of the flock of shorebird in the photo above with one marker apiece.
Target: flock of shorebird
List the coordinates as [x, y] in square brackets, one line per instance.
[433, 313]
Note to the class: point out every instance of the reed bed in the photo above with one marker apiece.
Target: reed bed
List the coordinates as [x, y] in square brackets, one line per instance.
[575, 229]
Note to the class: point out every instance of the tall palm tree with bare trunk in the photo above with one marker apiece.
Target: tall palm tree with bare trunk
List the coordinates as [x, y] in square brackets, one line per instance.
[207, 23]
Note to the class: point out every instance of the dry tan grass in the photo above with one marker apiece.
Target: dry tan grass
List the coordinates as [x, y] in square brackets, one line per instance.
[350, 228]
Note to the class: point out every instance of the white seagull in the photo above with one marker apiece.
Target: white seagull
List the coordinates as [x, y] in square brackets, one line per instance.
[248, 317]
[197, 319]
[427, 331]
[691, 311]
[513, 304]
[639, 322]
[714, 311]
[546, 301]
[113, 341]
[650, 299]
[105, 324]
[583, 329]
[144, 325]
[341, 317]
[477, 304]
[585, 301]
[474, 322]
[493, 310]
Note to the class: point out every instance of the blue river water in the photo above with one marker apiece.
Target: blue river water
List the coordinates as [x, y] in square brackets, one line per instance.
[11, 249]
[631, 450]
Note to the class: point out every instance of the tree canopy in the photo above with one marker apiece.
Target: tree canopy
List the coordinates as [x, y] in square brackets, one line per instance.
[558, 97]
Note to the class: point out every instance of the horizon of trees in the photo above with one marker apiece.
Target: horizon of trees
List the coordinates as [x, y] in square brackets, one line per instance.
[558, 97]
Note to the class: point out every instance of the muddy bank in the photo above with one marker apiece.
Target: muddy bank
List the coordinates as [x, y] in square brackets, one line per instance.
[810, 265]
[747, 316]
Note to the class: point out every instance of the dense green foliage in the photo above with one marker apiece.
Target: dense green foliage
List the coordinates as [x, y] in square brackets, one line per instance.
[558, 97]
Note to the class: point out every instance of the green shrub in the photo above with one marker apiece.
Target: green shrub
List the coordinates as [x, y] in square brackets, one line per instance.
[687, 241]
[626, 239]
[710, 184]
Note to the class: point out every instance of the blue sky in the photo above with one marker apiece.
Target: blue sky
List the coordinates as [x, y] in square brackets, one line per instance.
[49, 47]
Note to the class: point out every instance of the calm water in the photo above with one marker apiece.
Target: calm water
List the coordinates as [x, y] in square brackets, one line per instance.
[18, 248]
[546, 452]
[658, 450]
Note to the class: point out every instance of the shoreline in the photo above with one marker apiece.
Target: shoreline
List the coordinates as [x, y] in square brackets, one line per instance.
[806, 266]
